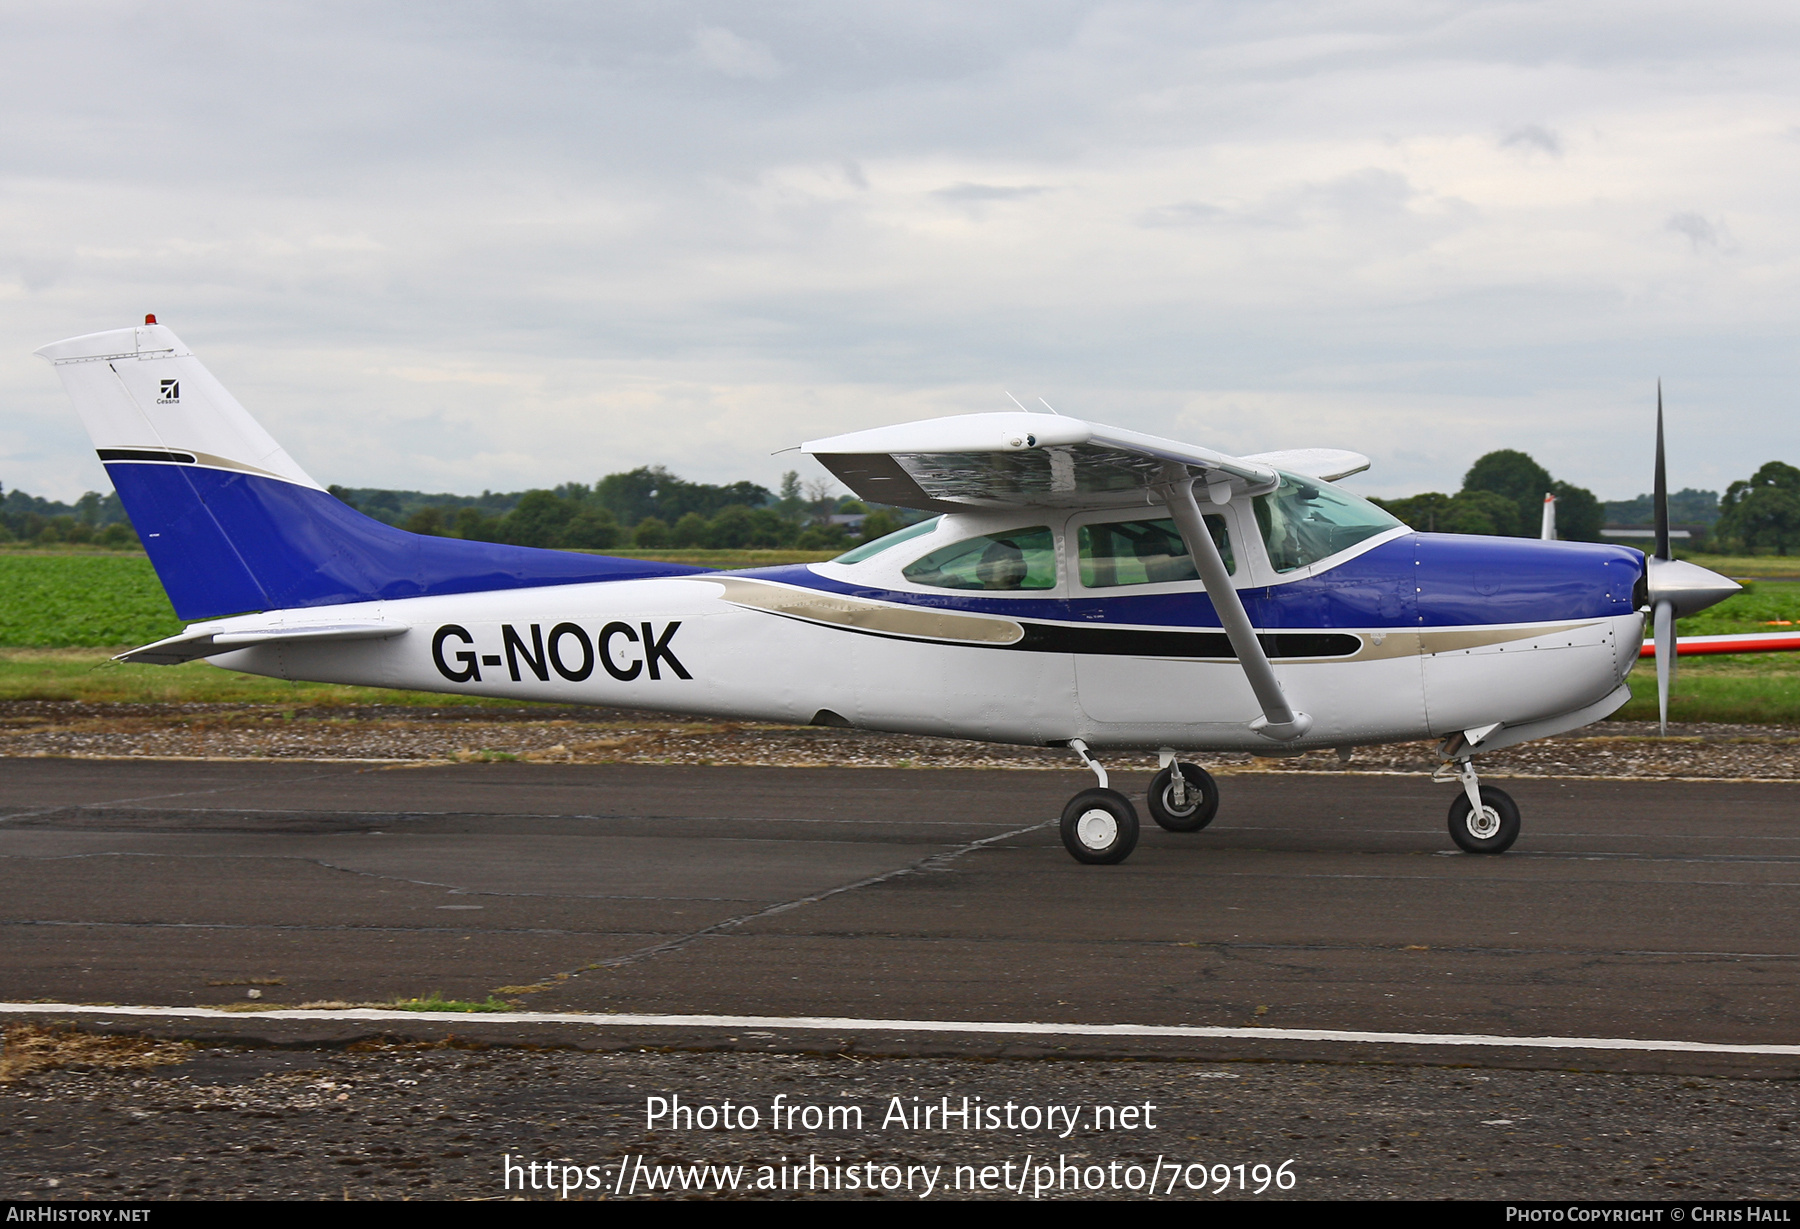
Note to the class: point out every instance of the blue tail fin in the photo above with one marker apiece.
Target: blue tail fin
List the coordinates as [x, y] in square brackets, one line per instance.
[232, 524]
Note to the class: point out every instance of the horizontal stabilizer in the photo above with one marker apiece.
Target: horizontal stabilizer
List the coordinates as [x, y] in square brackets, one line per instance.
[203, 641]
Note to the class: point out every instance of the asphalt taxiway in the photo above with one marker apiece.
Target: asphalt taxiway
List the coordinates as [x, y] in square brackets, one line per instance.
[1630, 910]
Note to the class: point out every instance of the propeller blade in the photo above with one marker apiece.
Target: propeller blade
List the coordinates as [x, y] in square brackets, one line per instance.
[1665, 661]
[1661, 496]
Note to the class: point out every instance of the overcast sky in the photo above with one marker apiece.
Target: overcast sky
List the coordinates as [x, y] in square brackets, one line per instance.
[468, 246]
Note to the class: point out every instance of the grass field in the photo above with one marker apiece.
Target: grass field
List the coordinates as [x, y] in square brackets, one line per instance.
[91, 677]
[60, 609]
[64, 598]
[1738, 567]
[67, 598]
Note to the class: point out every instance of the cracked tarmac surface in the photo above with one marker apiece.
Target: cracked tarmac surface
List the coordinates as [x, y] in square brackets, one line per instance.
[1628, 909]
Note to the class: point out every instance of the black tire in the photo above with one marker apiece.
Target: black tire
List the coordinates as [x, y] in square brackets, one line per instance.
[1203, 799]
[1099, 827]
[1494, 831]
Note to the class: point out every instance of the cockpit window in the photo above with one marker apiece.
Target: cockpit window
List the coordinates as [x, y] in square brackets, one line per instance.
[1304, 521]
[869, 549]
[1016, 559]
[1143, 552]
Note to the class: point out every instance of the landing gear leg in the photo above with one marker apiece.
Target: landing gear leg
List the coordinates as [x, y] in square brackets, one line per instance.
[1183, 797]
[1099, 826]
[1482, 819]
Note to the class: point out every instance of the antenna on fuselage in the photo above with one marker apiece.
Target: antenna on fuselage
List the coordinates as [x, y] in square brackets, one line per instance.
[1051, 408]
[1016, 402]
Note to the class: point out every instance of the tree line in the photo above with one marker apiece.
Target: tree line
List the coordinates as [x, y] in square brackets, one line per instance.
[94, 519]
[1764, 512]
[1503, 495]
[647, 508]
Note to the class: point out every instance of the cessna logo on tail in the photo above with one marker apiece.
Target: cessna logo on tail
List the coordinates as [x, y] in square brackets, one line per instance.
[619, 649]
[169, 393]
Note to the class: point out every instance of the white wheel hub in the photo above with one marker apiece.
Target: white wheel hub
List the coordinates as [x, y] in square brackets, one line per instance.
[1097, 829]
[1484, 823]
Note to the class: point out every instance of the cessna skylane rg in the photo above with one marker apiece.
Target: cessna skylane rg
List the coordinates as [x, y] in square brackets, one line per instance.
[1077, 586]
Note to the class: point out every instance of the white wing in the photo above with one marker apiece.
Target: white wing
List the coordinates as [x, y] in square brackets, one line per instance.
[1325, 464]
[1021, 460]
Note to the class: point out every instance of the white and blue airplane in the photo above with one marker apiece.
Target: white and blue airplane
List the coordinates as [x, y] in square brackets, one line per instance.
[1079, 586]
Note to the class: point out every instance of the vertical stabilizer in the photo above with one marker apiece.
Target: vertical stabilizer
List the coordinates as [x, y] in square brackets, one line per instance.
[232, 524]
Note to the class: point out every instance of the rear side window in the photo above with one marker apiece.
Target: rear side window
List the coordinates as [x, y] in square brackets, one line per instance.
[1143, 552]
[1016, 559]
[1304, 521]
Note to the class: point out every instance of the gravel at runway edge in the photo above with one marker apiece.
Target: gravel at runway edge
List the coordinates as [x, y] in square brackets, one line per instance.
[602, 736]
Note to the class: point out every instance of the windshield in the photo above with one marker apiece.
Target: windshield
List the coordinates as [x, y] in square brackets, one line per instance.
[1015, 559]
[868, 549]
[1304, 521]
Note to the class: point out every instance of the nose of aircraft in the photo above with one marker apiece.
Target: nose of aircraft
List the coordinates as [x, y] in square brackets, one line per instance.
[1687, 587]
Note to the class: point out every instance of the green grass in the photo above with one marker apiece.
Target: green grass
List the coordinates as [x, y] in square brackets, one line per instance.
[1753, 688]
[1739, 566]
[66, 599]
[435, 1001]
[79, 597]
[87, 676]
[1762, 603]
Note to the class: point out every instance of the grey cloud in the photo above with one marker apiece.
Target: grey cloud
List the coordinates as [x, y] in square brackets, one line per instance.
[1183, 213]
[1373, 195]
[981, 193]
[1533, 136]
[1696, 228]
[735, 56]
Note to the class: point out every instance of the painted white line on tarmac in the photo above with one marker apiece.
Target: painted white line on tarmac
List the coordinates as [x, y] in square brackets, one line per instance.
[839, 1024]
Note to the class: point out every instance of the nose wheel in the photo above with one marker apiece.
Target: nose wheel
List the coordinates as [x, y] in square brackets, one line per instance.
[1100, 827]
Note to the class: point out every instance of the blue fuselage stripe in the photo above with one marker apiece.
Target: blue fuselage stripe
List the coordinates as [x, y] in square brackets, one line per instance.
[1419, 580]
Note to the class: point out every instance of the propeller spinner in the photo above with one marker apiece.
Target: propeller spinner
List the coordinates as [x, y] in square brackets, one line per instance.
[1676, 587]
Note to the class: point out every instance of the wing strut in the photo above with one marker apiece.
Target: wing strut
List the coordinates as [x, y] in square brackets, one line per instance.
[1279, 721]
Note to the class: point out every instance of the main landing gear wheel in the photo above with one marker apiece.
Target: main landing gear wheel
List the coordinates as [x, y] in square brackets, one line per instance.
[1201, 804]
[1493, 829]
[1100, 826]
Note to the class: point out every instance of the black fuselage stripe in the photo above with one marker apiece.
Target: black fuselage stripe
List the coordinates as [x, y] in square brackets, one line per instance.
[1125, 642]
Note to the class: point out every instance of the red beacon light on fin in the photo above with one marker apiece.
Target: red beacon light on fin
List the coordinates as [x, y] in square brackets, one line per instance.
[150, 318]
